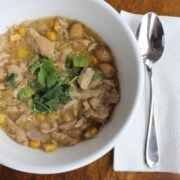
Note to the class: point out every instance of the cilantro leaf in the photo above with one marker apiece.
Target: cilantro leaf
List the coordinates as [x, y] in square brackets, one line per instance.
[10, 80]
[54, 92]
[34, 64]
[52, 104]
[52, 79]
[42, 77]
[47, 75]
[39, 106]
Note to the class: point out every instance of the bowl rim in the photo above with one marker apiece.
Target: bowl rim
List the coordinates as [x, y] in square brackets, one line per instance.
[109, 145]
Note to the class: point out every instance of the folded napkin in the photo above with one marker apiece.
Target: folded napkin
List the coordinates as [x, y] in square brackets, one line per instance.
[129, 151]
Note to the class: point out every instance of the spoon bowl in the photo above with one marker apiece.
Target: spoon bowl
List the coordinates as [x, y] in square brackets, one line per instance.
[150, 36]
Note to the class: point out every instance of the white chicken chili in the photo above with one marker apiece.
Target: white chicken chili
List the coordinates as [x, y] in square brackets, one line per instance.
[58, 83]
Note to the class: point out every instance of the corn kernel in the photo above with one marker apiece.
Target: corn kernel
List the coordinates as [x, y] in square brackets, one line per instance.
[21, 31]
[92, 132]
[14, 37]
[52, 116]
[74, 111]
[51, 35]
[2, 119]
[39, 117]
[63, 46]
[34, 144]
[22, 53]
[49, 147]
[93, 60]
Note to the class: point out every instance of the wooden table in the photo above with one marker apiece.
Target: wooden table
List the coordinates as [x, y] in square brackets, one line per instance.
[102, 168]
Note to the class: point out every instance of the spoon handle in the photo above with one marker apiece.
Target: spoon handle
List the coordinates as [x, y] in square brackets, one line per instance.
[151, 146]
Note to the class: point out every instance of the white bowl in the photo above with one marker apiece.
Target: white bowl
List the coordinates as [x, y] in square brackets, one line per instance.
[104, 20]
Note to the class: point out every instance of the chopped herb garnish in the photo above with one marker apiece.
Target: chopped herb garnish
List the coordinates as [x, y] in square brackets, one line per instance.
[80, 61]
[38, 106]
[48, 91]
[25, 93]
[10, 80]
[34, 64]
[47, 76]
[77, 61]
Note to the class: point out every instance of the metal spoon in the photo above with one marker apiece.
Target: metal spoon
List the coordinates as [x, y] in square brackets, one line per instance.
[150, 36]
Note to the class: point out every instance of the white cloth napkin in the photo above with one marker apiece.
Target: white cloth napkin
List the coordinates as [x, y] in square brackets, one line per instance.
[129, 151]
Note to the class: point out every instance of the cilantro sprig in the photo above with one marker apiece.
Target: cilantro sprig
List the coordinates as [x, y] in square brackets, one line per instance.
[48, 91]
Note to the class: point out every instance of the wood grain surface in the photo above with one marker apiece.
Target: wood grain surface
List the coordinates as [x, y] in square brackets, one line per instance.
[102, 168]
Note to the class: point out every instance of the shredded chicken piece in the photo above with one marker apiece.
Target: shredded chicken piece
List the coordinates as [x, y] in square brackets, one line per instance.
[109, 83]
[42, 27]
[84, 42]
[20, 120]
[16, 132]
[112, 96]
[3, 59]
[100, 114]
[45, 46]
[83, 124]
[2, 86]
[85, 78]
[13, 110]
[65, 54]
[26, 121]
[80, 122]
[85, 94]
[95, 103]
[64, 139]
[99, 108]
[61, 26]
[95, 83]
[86, 105]
[73, 102]
[80, 44]
[92, 47]
[23, 67]
[67, 126]
[48, 127]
